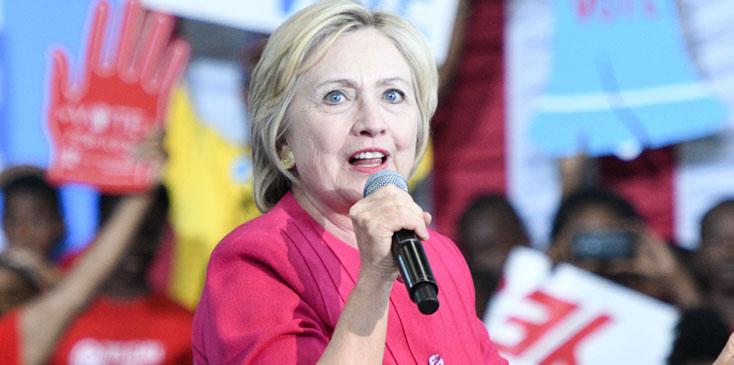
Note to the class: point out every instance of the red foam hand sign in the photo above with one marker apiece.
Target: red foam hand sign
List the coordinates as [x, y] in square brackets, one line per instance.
[95, 122]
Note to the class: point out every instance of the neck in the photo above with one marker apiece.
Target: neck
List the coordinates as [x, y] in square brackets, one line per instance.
[334, 221]
[126, 290]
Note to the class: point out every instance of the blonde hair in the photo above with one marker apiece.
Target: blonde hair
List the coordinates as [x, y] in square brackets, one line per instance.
[306, 37]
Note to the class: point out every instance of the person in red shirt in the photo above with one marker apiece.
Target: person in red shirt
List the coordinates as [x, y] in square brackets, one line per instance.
[129, 323]
[33, 320]
[29, 332]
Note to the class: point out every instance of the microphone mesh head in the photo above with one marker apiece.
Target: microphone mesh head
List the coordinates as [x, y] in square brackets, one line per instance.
[383, 178]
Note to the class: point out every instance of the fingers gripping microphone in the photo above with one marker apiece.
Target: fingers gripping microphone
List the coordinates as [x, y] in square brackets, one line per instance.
[408, 251]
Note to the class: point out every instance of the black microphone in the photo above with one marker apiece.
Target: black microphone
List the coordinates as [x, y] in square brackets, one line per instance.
[408, 251]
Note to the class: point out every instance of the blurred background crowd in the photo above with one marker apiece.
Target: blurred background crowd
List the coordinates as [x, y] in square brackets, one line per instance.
[596, 135]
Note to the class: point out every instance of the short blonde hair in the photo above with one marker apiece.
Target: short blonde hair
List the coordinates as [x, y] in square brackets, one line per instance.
[307, 36]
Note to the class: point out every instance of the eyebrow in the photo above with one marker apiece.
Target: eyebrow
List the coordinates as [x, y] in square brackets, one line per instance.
[352, 84]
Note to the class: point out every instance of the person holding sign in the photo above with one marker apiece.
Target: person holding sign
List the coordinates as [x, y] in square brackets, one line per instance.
[106, 132]
[339, 94]
[28, 333]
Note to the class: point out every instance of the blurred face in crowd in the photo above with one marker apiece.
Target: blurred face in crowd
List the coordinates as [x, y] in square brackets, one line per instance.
[487, 236]
[353, 113]
[487, 240]
[133, 267]
[716, 254]
[32, 222]
[598, 219]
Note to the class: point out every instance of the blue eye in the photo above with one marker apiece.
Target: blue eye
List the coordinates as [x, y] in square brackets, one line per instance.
[335, 97]
[394, 96]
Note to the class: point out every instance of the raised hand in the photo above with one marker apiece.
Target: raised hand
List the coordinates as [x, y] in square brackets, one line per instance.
[95, 121]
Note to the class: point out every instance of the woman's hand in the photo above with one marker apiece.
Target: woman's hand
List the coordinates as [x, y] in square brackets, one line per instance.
[361, 330]
[375, 219]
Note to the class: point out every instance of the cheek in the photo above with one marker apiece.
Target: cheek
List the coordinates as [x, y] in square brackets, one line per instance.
[406, 139]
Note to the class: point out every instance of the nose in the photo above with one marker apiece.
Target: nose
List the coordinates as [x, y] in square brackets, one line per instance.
[369, 119]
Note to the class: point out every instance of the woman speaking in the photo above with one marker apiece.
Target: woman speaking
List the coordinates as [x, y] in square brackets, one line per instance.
[339, 94]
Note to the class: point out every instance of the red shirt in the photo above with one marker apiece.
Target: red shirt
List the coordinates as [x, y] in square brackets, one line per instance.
[276, 285]
[146, 330]
[9, 341]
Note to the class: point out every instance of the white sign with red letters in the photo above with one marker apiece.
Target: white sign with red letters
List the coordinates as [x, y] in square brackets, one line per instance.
[569, 316]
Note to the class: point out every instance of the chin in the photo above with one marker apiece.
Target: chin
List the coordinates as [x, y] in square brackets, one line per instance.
[352, 195]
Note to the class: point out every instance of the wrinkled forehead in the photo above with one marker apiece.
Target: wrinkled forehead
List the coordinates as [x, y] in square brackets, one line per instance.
[362, 54]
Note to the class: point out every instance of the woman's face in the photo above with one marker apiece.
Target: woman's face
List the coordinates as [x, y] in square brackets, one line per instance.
[353, 114]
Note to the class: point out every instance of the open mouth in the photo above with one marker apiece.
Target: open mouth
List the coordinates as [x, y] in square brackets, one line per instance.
[368, 159]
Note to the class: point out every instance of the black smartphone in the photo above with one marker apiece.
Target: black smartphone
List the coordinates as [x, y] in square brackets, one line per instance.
[603, 244]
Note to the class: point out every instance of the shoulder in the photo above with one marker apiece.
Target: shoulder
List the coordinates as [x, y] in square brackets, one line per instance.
[262, 236]
[265, 245]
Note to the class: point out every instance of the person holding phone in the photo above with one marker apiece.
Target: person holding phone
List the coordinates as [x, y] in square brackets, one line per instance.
[599, 231]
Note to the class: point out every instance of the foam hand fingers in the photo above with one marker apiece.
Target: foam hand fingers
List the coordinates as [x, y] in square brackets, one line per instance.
[173, 66]
[133, 20]
[157, 34]
[59, 77]
[95, 44]
[59, 89]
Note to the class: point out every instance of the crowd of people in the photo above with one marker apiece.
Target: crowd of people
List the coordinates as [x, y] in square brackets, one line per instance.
[340, 93]
[601, 232]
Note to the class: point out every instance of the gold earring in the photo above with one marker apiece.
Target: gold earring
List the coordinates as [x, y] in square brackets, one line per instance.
[287, 160]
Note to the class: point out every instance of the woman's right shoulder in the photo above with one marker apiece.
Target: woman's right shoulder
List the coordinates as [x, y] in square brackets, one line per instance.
[255, 236]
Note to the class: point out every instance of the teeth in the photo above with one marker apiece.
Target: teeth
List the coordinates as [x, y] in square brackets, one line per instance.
[369, 155]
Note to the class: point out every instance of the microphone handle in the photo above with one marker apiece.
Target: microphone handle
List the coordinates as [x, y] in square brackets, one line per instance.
[407, 249]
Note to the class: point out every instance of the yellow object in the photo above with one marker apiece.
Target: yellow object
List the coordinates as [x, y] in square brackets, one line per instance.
[210, 185]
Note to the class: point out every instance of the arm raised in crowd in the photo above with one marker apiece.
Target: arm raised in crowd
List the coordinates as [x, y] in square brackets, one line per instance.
[43, 320]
